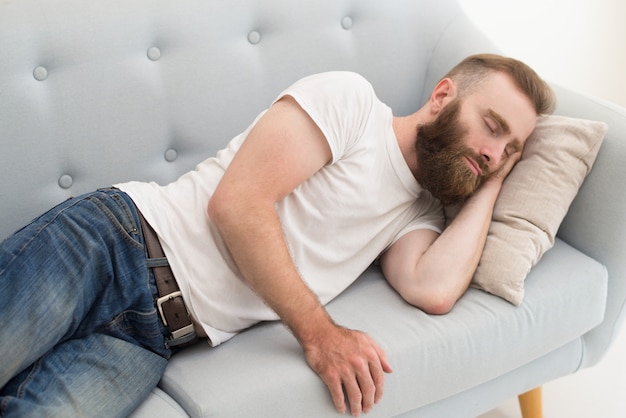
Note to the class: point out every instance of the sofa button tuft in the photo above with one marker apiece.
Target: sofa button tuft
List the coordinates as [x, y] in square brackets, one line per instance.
[40, 73]
[154, 53]
[347, 23]
[171, 155]
[66, 181]
[254, 37]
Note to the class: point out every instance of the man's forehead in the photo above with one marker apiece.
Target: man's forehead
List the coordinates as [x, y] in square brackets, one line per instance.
[508, 105]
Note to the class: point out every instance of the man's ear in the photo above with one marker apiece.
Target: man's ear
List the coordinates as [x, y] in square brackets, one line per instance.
[443, 92]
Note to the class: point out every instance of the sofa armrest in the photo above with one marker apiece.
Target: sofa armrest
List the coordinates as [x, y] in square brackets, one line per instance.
[596, 221]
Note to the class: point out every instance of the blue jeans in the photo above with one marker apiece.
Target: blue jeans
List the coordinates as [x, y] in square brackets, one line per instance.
[79, 333]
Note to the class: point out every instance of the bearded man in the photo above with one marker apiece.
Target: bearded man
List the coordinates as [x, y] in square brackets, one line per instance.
[280, 222]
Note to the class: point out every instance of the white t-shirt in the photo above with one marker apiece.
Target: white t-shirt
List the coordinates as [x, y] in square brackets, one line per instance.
[336, 223]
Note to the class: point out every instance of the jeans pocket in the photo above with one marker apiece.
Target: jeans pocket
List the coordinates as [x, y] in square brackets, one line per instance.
[139, 328]
[118, 212]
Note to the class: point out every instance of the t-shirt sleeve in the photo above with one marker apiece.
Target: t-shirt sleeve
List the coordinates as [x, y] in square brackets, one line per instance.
[339, 102]
[429, 215]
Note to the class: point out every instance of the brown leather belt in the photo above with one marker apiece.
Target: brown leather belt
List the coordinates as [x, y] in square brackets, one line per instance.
[170, 303]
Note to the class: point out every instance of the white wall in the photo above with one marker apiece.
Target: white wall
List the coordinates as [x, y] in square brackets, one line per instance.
[580, 44]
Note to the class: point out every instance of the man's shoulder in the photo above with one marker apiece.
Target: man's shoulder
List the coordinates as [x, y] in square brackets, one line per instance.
[337, 84]
[337, 76]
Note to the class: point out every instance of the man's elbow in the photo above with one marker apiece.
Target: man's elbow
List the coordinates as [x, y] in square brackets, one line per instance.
[433, 301]
[220, 207]
[438, 306]
[229, 208]
[213, 208]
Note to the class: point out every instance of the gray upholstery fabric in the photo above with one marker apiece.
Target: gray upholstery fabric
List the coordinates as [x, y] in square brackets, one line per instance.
[432, 356]
[93, 93]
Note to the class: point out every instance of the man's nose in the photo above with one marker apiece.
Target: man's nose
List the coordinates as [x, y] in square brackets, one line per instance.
[491, 153]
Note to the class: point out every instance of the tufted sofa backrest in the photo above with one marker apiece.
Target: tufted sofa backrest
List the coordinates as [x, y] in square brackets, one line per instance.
[97, 92]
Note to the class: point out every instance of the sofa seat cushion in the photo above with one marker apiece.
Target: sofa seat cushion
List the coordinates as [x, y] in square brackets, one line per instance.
[159, 404]
[432, 356]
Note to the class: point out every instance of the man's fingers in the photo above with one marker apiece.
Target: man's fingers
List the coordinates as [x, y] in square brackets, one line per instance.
[355, 397]
[501, 173]
[378, 368]
[361, 384]
[378, 382]
[382, 356]
[336, 392]
[370, 377]
[353, 367]
[370, 384]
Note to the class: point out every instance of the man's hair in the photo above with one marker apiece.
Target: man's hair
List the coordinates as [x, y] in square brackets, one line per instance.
[473, 70]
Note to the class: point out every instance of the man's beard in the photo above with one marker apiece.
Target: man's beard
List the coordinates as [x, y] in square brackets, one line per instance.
[441, 166]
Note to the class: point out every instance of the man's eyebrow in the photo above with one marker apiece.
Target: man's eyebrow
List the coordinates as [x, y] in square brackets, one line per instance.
[500, 120]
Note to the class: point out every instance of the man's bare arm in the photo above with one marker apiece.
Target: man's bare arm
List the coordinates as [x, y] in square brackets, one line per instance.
[432, 272]
[284, 149]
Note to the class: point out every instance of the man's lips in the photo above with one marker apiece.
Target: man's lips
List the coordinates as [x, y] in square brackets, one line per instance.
[473, 165]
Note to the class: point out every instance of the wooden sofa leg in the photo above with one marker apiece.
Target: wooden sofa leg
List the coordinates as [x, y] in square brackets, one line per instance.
[531, 403]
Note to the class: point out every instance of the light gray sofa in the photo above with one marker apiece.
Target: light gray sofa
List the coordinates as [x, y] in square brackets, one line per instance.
[97, 92]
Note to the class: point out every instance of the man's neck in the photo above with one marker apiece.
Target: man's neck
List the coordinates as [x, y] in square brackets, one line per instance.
[405, 128]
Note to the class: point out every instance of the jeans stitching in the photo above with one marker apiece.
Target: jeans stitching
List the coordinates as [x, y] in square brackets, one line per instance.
[124, 207]
[126, 235]
[122, 323]
[96, 198]
[34, 368]
[42, 228]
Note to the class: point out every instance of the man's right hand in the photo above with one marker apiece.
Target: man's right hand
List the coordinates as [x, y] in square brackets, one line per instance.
[350, 360]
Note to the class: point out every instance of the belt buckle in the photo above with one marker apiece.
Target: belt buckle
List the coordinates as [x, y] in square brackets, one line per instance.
[160, 301]
[181, 335]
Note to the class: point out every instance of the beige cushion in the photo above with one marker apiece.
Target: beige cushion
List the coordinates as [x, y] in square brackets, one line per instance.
[534, 200]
